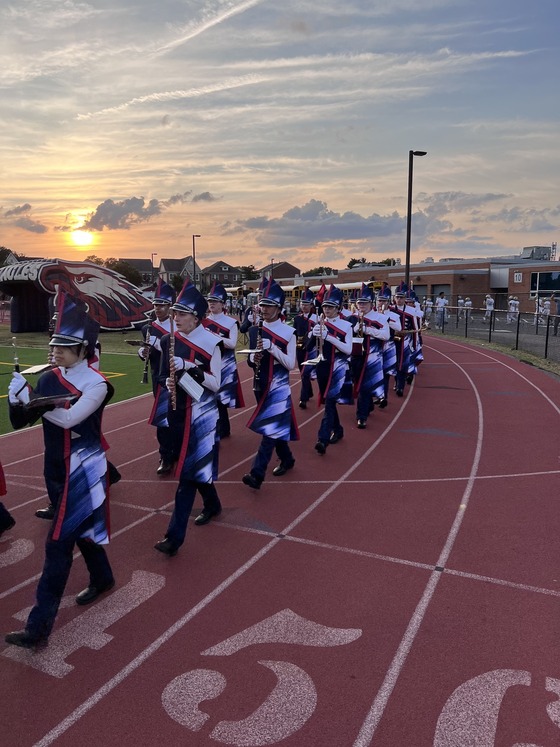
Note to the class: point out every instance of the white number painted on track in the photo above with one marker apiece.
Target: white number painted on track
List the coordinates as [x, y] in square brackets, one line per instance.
[471, 713]
[88, 629]
[285, 710]
[19, 550]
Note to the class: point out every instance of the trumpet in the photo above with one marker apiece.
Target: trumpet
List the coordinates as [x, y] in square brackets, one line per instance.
[319, 346]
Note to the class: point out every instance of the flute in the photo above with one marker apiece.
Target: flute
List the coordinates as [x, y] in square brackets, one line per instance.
[173, 383]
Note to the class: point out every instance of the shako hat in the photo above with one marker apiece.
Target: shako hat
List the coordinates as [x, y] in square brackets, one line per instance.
[333, 297]
[73, 326]
[365, 294]
[164, 294]
[191, 300]
[217, 293]
[307, 296]
[272, 294]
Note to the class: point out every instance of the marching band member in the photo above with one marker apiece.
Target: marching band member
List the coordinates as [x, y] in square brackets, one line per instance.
[152, 333]
[274, 417]
[373, 328]
[303, 323]
[7, 521]
[416, 355]
[334, 341]
[191, 353]
[389, 347]
[75, 466]
[402, 340]
[230, 394]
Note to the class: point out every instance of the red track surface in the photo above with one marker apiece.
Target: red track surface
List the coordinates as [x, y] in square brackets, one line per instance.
[402, 591]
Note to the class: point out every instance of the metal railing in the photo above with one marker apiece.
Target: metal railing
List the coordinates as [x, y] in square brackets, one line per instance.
[534, 333]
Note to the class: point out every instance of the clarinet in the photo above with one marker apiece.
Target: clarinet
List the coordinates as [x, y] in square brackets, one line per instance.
[258, 357]
[173, 385]
[16, 357]
[147, 352]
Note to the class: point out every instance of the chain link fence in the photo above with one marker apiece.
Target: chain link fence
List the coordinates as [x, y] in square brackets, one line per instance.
[534, 333]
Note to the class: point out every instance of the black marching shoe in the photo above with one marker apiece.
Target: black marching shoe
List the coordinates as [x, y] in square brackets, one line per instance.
[86, 596]
[321, 447]
[302, 405]
[382, 404]
[282, 468]
[46, 513]
[207, 515]
[336, 437]
[164, 468]
[400, 392]
[24, 639]
[166, 547]
[7, 524]
[361, 424]
[252, 481]
[409, 378]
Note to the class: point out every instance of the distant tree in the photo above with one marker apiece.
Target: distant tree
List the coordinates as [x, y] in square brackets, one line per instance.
[353, 262]
[122, 267]
[248, 272]
[322, 270]
[389, 261]
[5, 253]
[94, 259]
[177, 282]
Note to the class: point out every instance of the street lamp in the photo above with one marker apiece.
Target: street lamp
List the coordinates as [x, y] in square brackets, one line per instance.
[272, 267]
[411, 154]
[195, 236]
[152, 255]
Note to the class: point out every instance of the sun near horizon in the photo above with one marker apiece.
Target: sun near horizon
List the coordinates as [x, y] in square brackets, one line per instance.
[82, 238]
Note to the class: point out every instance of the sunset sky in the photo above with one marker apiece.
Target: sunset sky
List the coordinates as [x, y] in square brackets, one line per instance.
[278, 129]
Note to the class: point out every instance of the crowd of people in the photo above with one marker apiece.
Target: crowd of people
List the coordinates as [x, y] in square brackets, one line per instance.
[350, 351]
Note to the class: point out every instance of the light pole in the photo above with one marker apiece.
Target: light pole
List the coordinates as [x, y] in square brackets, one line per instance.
[272, 267]
[152, 255]
[411, 154]
[194, 238]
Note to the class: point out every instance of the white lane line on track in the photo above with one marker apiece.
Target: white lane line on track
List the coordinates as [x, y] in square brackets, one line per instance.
[110, 685]
[375, 713]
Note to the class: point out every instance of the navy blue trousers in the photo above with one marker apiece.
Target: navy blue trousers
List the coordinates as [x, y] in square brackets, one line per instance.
[264, 455]
[58, 562]
[331, 422]
[184, 501]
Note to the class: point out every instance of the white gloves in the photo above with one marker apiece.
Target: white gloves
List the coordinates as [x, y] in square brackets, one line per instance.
[181, 364]
[18, 390]
[266, 344]
[143, 352]
[320, 331]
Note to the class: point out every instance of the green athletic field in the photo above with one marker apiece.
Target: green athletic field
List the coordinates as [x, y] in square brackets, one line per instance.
[119, 363]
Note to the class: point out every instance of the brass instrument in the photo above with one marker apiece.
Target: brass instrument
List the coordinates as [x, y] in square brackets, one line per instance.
[258, 359]
[173, 382]
[319, 346]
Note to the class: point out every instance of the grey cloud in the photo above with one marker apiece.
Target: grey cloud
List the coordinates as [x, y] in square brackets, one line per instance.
[442, 203]
[18, 210]
[204, 197]
[30, 225]
[121, 215]
[177, 199]
[313, 223]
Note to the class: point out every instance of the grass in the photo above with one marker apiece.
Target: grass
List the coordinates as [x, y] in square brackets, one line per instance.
[119, 363]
